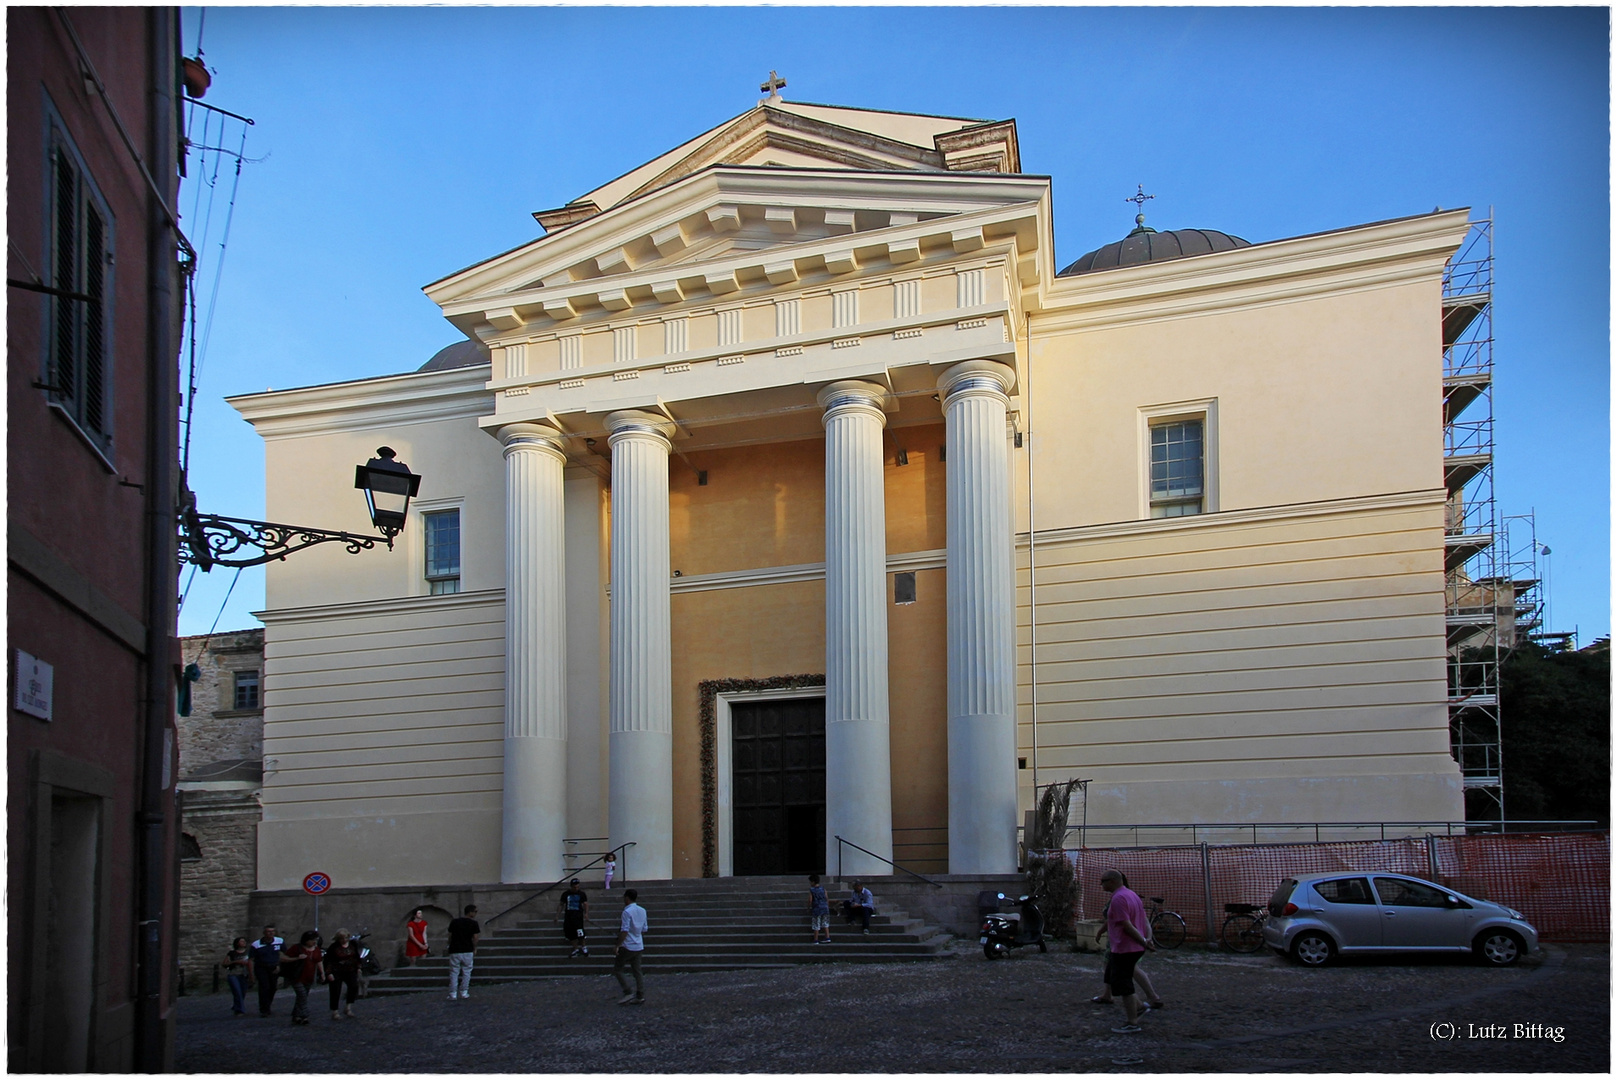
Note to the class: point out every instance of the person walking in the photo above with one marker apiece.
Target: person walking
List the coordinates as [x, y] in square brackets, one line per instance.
[860, 905]
[463, 935]
[342, 969]
[266, 953]
[1129, 933]
[819, 910]
[239, 974]
[415, 938]
[571, 911]
[1153, 1000]
[608, 869]
[306, 965]
[631, 946]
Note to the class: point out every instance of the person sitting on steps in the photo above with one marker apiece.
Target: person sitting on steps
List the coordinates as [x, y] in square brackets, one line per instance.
[859, 905]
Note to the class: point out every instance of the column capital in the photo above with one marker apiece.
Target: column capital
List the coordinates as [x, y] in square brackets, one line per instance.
[639, 424]
[977, 376]
[852, 395]
[515, 437]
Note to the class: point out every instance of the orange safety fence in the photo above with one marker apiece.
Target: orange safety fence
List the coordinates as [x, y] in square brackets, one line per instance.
[1559, 881]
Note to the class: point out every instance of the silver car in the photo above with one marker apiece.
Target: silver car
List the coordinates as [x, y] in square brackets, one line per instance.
[1315, 917]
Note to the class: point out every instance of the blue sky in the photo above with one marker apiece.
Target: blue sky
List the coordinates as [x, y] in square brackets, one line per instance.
[396, 145]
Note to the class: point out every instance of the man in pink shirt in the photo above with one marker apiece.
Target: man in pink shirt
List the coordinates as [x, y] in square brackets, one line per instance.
[1128, 930]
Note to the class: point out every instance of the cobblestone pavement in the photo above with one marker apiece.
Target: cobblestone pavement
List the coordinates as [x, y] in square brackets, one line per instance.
[1029, 1013]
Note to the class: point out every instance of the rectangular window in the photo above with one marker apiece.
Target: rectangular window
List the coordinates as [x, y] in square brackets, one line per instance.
[1177, 468]
[79, 260]
[904, 588]
[443, 551]
[246, 696]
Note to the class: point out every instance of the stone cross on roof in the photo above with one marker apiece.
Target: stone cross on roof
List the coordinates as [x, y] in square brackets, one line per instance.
[773, 86]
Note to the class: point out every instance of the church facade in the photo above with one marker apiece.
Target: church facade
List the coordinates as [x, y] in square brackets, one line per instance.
[788, 507]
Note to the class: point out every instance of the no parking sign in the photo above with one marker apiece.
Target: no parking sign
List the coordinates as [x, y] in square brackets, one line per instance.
[315, 884]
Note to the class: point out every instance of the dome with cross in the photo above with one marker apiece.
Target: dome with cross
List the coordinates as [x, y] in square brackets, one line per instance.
[1146, 245]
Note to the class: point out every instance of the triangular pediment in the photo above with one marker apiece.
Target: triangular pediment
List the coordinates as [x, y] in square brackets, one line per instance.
[798, 135]
[687, 206]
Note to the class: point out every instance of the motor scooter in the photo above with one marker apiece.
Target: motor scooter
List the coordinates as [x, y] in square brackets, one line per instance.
[367, 963]
[1003, 931]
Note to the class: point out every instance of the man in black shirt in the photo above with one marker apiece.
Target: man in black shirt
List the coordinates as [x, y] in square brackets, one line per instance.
[463, 935]
[573, 910]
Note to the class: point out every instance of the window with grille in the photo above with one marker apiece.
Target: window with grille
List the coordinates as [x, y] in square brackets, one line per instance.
[246, 696]
[79, 259]
[1177, 468]
[443, 551]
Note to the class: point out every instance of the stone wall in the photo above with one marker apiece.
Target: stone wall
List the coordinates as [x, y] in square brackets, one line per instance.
[221, 767]
[216, 730]
[216, 877]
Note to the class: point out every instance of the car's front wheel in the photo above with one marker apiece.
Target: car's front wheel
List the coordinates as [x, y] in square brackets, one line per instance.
[1500, 948]
[1313, 949]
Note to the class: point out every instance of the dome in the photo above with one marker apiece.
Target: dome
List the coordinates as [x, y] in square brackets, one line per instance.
[1145, 245]
[467, 353]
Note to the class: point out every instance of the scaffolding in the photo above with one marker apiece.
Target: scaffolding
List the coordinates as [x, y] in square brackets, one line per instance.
[1480, 593]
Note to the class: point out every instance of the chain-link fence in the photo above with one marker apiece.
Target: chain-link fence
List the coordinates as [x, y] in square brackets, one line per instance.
[1560, 881]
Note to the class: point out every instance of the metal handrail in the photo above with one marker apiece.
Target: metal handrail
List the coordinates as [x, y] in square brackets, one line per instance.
[1449, 827]
[568, 877]
[873, 855]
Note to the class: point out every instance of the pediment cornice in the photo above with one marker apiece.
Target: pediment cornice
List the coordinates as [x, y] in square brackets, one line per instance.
[783, 223]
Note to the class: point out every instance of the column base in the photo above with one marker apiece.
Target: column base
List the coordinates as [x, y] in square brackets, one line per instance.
[535, 802]
[641, 803]
[982, 794]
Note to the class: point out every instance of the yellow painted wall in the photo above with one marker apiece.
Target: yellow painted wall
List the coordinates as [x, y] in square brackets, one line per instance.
[764, 506]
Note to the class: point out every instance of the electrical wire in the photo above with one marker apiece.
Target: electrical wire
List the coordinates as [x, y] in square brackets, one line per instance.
[222, 606]
[187, 590]
[197, 350]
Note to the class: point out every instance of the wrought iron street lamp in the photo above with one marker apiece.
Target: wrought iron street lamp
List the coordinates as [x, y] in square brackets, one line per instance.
[208, 540]
[389, 486]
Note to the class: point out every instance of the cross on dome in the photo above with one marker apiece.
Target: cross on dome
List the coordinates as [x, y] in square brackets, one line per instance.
[1138, 199]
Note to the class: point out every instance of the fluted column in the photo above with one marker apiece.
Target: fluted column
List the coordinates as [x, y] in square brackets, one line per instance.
[982, 621]
[858, 776]
[640, 804]
[535, 797]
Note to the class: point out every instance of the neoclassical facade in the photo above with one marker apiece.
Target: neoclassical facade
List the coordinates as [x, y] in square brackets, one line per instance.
[784, 491]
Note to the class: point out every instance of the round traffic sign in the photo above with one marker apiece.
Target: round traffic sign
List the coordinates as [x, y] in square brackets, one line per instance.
[316, 883]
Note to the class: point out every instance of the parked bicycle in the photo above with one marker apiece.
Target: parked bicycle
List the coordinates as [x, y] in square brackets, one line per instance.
[1167, 927]
[1243, 929]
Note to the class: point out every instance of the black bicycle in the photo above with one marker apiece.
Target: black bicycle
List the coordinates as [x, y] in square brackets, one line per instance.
[1167, 928]
[1243, 929]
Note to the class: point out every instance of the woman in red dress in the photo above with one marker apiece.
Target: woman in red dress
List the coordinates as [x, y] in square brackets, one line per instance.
[415, 941]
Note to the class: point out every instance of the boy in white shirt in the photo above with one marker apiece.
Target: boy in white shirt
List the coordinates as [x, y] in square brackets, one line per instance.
[631, 945]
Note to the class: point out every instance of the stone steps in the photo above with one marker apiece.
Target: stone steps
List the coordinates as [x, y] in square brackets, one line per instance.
[719, 924]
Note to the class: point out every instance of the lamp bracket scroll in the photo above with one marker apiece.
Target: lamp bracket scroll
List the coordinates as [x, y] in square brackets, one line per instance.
[208, 540]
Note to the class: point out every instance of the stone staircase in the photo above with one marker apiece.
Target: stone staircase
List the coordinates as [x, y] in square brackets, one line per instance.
[712, 924]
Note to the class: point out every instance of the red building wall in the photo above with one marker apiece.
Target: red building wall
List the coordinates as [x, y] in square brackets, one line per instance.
[80, 559]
